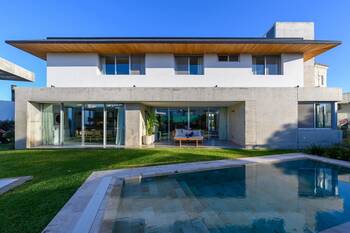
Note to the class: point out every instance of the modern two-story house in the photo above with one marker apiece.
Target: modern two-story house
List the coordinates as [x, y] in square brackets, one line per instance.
[253, 92]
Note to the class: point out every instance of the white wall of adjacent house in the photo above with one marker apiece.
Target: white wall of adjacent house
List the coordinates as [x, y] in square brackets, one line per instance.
[321, 75]
[84, 70]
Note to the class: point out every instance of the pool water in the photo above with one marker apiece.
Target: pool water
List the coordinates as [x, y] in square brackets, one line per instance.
[295, 196]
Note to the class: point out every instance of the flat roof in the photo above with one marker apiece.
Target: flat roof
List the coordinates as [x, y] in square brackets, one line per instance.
[176, 45]
[13, 72]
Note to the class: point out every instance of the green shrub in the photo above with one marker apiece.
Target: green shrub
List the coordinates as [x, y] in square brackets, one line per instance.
[9, 128]
[341, 151]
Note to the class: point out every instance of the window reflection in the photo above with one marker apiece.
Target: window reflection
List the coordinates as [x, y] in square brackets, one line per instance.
[317, 182]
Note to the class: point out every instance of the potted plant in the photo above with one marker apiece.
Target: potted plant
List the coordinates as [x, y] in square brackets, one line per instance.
[151, 123]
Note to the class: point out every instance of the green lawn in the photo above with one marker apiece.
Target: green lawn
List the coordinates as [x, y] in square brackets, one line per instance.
[58, 174]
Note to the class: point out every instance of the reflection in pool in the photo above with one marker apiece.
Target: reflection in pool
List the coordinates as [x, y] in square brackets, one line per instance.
[295, 196]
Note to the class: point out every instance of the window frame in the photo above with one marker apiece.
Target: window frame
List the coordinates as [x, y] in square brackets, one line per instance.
[265, 65]
[188, 58]
[228, 58]
[129, 56]
[316, 117]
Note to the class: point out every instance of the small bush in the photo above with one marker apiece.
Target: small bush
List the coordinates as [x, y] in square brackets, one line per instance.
[341, 152]
[7, 134]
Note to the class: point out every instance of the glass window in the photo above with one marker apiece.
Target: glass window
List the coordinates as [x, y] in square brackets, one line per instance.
[93, 123]
[323, 115]
[266, 65]
[233, 58]
[163, 124]
[115, 121]
[306, 115]
[315, 115]
[196, 65]
[137, 64]
[222, 58]
[109, 65]
[178, 119]
[189, 65]
[228, 58]
[122, 64]
[258, 65]
[72, 124]
[181, 65]
[273, 65]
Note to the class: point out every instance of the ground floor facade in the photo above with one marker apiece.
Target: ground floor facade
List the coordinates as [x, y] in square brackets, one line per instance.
[246, 117]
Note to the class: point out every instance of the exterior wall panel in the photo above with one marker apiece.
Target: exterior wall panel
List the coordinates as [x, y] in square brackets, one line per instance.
[83, 70]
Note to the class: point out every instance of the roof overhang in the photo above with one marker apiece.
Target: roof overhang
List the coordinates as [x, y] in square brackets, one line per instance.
[176, 45]
[13, 72]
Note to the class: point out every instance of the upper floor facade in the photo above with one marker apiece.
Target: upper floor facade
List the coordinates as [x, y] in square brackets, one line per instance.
[170, 70]
[283, 58]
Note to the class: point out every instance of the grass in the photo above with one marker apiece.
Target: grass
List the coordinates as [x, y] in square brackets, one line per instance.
[6, 146]
[58, 173]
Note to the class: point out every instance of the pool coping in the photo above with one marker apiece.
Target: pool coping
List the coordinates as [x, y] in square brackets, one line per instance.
[17, 182]
[85, 210]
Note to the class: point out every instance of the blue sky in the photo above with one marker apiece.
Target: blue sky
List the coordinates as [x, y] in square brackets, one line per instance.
[38, 19]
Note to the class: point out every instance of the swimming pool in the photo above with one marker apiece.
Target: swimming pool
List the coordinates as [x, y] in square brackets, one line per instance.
[271, 194]
[294, 196]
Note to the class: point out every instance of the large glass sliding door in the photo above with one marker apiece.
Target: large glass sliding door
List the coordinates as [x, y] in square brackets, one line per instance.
[80, 124]
[178, 118]
[163, 124]
[93, 124]
[196, 118]
[72, 125]
[115, 124]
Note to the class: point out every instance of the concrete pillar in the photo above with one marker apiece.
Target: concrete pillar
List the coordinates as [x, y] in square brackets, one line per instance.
[250, 123]
[134, 124]
[223, 123]
[34, 124]
[21, 122]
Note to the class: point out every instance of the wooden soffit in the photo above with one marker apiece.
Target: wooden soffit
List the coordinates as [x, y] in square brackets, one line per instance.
[310, 48]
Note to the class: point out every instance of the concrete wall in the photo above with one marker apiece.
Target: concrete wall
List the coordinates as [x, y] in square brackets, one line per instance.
[270, 113]
[305, 30]
[134, 124]
[34, 127]
[83, 70]
[236, 124]
[7, 110]
[321, 137]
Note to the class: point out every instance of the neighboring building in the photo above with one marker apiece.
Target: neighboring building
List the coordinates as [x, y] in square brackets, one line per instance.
[344, 110]
[255, 92]
[321, 75]
[12, 72]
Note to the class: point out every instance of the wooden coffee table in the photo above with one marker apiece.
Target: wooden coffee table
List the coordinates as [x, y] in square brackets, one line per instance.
[190, 139]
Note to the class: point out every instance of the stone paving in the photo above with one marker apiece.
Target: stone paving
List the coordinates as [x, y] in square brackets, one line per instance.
[10, 183]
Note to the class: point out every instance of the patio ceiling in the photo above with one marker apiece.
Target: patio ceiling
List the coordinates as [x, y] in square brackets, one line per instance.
[174, 45]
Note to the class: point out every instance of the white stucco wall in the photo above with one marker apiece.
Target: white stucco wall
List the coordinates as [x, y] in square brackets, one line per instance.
[321, 73]
[82, 70]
